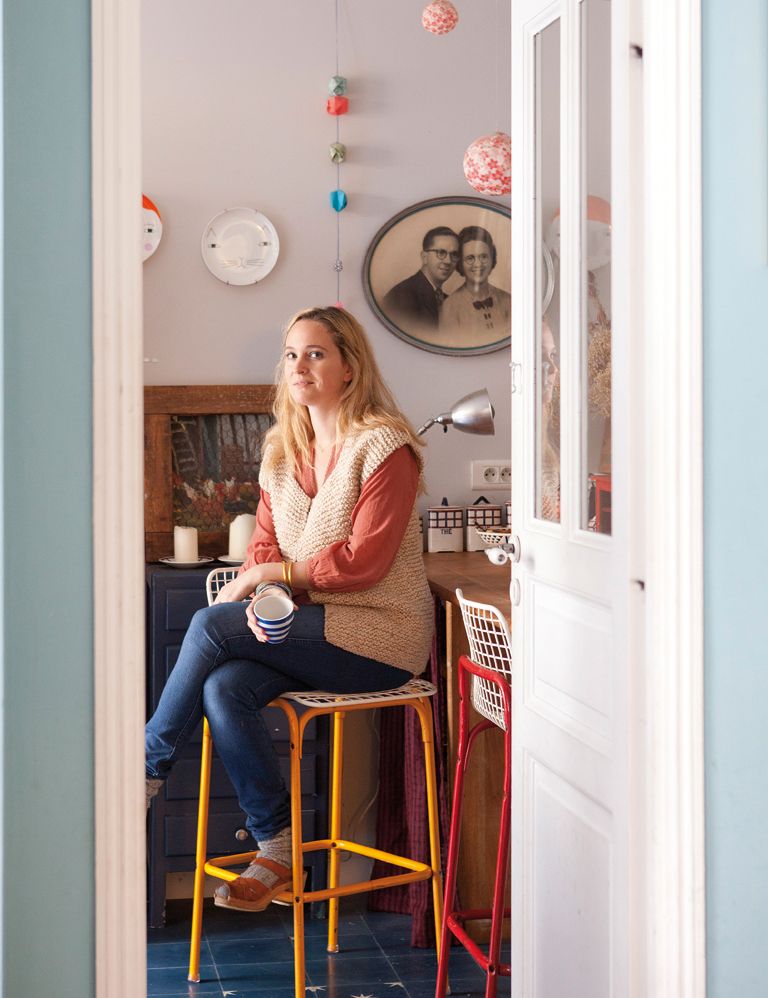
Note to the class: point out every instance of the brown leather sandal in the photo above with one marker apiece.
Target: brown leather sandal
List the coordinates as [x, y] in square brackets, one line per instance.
[249, 894]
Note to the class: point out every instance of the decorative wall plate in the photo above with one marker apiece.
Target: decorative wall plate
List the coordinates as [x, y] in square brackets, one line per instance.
[152, 231]
[240, 246]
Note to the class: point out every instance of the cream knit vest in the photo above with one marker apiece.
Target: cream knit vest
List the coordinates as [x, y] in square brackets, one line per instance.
[391, 622]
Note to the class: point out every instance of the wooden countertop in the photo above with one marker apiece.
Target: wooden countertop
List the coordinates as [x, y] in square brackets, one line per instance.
[471, 572]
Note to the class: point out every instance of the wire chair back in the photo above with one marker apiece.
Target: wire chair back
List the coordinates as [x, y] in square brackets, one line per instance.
[489, 646]
[216, 579]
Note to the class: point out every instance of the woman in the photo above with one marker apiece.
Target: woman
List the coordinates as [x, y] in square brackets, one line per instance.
[476, 307]
[337, 518]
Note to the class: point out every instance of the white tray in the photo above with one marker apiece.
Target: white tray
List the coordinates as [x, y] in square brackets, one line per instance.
[172, 563]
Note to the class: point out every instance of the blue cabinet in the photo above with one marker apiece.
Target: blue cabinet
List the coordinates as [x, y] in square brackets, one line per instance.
[173, 596]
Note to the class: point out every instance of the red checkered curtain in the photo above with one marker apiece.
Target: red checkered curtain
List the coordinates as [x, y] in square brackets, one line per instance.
[402, 825]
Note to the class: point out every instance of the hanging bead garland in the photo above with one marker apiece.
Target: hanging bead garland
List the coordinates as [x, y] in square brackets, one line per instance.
[488, 164]
[440, 17]
[337, 105]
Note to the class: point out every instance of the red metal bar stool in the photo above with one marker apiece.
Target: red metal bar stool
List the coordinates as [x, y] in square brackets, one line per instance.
[489, 670]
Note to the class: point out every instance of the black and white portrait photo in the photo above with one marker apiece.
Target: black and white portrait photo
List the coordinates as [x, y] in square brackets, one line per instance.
[438, 275]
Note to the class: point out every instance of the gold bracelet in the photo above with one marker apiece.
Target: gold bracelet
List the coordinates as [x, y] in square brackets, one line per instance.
[290, 570]
[286, 573]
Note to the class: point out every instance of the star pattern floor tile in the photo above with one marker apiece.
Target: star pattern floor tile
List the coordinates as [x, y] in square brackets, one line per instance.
[251, 956]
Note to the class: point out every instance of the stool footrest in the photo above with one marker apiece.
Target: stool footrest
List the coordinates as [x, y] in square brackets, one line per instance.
[344, 845]
[455, 925]
[361, 887]
[216, 867]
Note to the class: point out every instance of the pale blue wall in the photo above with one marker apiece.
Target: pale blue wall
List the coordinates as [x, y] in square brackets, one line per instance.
[735, 79]
[47, 751]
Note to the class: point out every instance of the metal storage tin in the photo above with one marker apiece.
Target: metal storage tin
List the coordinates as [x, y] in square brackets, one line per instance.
[445, 530]
[482, 515]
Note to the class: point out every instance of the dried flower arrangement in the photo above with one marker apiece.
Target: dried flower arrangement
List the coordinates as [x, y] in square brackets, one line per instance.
[598, 369]
[599, 356]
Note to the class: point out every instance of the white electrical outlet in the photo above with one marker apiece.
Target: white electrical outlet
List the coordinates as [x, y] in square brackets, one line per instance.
[491, 474]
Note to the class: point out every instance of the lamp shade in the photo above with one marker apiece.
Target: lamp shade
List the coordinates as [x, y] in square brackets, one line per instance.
[488, 164]
[471, 414]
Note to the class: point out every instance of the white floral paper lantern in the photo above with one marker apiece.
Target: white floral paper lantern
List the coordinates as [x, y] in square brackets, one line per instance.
[488, 164]
[440, 17]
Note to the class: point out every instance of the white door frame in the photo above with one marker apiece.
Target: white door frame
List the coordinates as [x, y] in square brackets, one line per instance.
[118, 505]
[669, 857]
[674, 839]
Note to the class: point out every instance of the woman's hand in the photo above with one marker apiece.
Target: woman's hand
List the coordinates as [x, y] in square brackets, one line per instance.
[250, 616]
[250, 613]
[239, 588]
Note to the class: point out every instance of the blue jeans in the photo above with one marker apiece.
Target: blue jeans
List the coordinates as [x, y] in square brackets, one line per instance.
[225, 673]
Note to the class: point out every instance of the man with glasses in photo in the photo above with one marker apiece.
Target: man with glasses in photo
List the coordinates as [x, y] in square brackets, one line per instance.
[416, 301]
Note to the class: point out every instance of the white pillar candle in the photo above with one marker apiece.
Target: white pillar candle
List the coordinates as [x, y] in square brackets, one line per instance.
[185, 544]
[240, 530]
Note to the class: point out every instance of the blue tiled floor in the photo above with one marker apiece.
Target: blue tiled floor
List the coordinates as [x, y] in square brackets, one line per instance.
[251, 956]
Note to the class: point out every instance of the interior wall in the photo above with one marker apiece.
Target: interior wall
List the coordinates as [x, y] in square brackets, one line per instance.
[234, 114]
[735, 156]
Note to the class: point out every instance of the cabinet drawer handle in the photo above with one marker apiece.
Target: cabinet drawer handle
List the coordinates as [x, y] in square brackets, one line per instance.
[241, 835]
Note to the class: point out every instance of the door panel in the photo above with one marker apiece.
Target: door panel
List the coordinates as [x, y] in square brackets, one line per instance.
[569, 768]
[570, 900]
[571, 661]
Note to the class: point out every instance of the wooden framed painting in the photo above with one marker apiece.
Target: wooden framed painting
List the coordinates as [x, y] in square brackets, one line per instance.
[202, 454]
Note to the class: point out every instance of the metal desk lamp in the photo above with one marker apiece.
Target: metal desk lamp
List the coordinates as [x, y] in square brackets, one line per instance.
[472, 414]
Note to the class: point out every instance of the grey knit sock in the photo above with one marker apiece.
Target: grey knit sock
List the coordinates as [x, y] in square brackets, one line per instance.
[152, 788]
[278, 849]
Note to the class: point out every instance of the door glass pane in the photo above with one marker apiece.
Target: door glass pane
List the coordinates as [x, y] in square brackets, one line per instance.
[547, 292]
[596, 298]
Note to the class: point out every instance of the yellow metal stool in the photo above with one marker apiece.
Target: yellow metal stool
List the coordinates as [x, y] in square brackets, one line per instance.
[415, 694]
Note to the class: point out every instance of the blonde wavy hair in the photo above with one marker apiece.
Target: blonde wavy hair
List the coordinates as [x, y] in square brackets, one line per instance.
[366, 402]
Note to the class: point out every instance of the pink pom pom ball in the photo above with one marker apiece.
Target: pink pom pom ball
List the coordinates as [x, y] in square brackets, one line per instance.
[440, 17]
[488, 164]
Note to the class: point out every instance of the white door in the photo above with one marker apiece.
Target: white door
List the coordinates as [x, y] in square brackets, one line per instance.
[570, 854]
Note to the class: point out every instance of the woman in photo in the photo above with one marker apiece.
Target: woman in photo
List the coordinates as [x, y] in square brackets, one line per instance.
[477, 306]
[338, 531]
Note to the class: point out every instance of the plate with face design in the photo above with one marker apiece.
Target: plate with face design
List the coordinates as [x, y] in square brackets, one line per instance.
[152, 231]
[240, 246]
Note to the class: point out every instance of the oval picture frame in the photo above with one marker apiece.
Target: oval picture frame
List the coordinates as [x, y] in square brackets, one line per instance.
[398, 278]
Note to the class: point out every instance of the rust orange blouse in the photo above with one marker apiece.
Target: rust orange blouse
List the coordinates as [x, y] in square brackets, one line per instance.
[379, 520]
